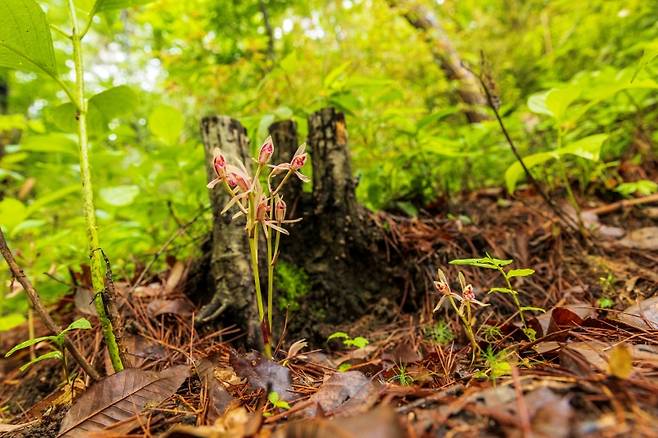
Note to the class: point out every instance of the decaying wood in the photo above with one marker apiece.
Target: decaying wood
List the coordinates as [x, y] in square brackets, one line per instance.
[446, 55]
[337, 243]
[230, 271]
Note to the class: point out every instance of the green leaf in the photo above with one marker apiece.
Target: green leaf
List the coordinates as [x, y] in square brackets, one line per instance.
[10, 321]
[514, 173]
[52, 197]
[110, 104]
[358, 342]
[532, 309]
[119, 196]
[109, 5]
[520, 273]
[78, 324]
[166, 123]
[502, 290]
[63, 117]
[338, 335]
[335, 73]
[59, 143]
[25, 40]
[12, 213]
[484, 262]
[28, 343]
[50, 355]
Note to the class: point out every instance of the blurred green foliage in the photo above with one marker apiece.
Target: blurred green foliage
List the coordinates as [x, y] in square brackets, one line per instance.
[575, 81]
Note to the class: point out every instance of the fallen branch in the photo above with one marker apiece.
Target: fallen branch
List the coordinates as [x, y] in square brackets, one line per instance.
[33, 296]
[605, 209]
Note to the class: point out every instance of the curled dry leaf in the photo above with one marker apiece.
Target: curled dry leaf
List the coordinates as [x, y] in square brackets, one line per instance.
[219, 399]
[642, 238]
[348, 392]
[120, 397]
[235, 423]
[261, 372]
[178, 307]
[643, 315]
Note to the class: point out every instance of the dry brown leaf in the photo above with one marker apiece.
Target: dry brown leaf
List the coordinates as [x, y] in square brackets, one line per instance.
[234, 424]
[175, 276]
[262, 373]
[119, 397]
[642, 238]
[219, 400]
[643, 315]
[379, 423]
[15, 427]
[178, 307]
[350, 391]
[620, 361]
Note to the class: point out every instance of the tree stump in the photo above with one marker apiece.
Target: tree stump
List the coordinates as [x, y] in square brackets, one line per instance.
[337, 244]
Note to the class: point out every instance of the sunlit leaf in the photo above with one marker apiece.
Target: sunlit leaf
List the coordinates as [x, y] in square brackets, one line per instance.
[620, 361]
[166, 123]
[520, 273]
[119, 196]
[25, 40]
[50, 355]
[28, 343]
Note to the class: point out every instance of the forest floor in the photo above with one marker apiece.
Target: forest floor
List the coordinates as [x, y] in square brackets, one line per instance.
[591, 370]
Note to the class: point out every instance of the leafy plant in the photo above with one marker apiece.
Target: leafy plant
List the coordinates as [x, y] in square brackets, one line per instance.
[489, 262]
[57, 343]
[402, 376]
[439, 332]
[264, 207]
[358, 342]
[498, 364]
[274, 398]
[643, 187]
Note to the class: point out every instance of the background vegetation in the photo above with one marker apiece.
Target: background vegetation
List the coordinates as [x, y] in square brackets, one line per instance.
[575, 81]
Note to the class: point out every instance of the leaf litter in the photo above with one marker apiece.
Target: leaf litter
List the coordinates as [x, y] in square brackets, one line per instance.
[591, 371]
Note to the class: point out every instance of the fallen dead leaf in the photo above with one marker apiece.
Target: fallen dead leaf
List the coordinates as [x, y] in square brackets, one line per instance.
[15, 427]
[350, 391]
[235, 423]
[620, 361]
[120, 397]
[379, 423]
[642, 238]
[643, 315]
[219, 400]
[178, 307]
[175, 277]
[262, 373]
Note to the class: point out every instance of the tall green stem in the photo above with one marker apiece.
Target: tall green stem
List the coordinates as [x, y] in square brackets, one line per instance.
[270, 277]
[97, 277]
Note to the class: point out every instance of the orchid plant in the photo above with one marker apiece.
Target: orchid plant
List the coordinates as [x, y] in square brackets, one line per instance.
[264, 208]
[466, 303]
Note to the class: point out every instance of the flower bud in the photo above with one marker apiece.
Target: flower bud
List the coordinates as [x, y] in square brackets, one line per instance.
[280, 210]
[298, 161]
[266, 151]
[441, 287]
[231, 180]
[261, 210]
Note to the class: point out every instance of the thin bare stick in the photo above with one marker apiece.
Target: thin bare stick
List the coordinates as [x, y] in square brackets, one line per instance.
[605, 209]
[491, 101]
[32, 295]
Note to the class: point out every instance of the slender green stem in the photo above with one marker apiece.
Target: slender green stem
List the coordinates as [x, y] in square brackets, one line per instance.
[467, 325]
[253, 247]
[270, 277]
[514, 294]
[97, 277]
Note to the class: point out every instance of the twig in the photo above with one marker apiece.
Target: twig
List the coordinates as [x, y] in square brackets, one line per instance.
[32, 295]
[605, 209]
[522, 407]
[164, 247]
[492, 104]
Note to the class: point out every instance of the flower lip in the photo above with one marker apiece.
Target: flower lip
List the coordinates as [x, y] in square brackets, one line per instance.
[298, 161]
[219, 164]
[468, 293]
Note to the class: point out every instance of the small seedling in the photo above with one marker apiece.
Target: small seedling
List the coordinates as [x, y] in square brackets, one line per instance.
[57, 343]
[275, 400]
[403, 376]
[439, 332]
[491, 333]
[498, 364]
[358, 342]
[489, 262]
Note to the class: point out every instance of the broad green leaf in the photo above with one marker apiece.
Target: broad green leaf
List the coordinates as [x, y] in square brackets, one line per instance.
[63, 116]
[50, 355]
[78, 324]
[358, 342]
[109, 5]
[588, 148]
[338, 335]
[12, 213]
[52, 197]
[119, 196]
[28, 343]
[520, 273]
[10, 321]
[515, 172]
[26, 225]
[166, 123]
[537, 103]
[559, 99]
[335, 73]
[25, 40]
[108, 105]
[55, 142]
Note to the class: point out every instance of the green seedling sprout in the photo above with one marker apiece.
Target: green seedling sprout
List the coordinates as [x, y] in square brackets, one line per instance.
[56, 342]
